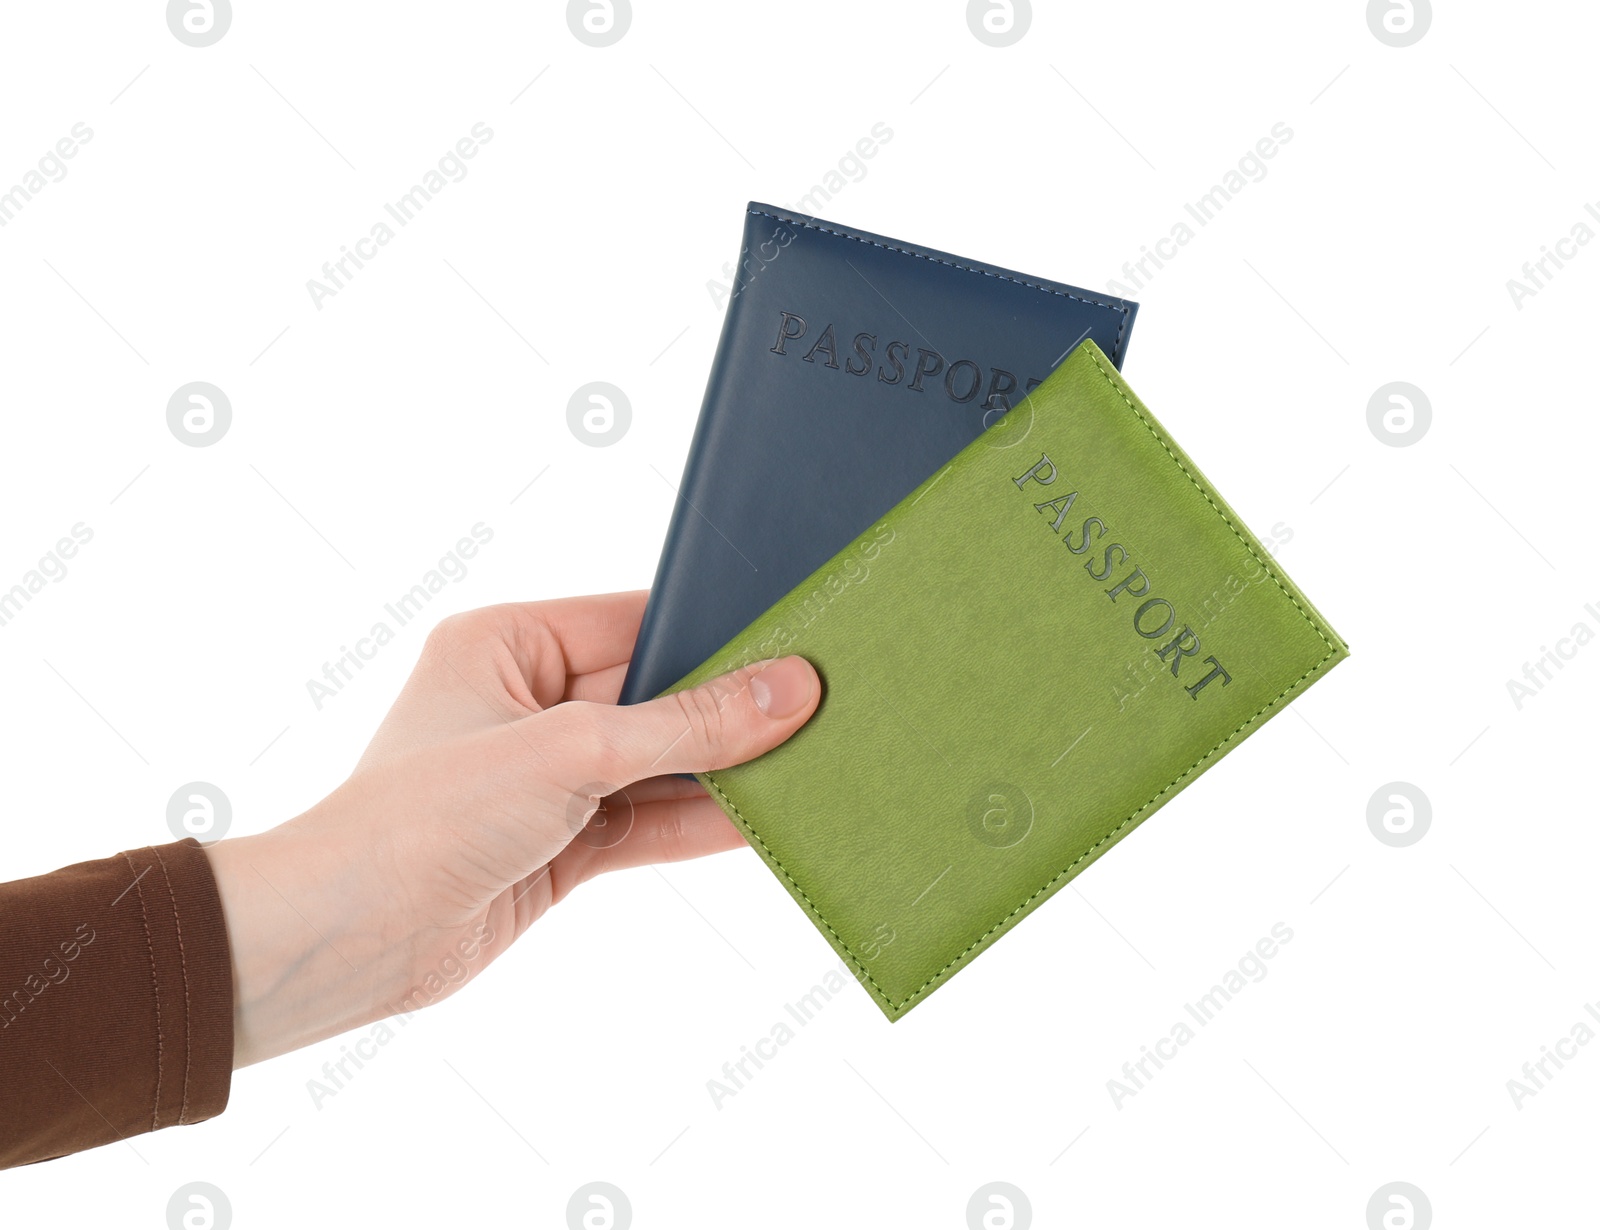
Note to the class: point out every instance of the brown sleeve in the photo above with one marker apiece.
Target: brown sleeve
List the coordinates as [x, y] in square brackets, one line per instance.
[116, 1002]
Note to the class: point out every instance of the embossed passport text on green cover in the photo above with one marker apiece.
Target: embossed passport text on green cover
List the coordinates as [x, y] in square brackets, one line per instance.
[1037, 648]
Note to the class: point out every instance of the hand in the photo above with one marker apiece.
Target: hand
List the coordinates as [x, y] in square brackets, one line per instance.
[474, 810]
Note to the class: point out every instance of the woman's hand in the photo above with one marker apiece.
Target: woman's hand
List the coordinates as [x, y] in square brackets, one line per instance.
[504, 776]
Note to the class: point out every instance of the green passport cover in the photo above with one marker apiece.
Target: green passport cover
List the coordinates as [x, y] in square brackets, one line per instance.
[1037, 648]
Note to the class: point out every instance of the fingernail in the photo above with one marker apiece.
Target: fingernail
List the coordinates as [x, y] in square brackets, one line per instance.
[783, 688]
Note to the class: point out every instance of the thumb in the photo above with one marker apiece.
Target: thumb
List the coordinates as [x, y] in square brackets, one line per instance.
[721, 722]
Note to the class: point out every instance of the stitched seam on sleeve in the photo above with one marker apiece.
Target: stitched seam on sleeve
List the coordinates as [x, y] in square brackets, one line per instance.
[183, 967]
[1150, 805]
[155, 989]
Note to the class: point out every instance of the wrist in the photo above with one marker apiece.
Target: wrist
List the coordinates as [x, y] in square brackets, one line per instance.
[311, 956]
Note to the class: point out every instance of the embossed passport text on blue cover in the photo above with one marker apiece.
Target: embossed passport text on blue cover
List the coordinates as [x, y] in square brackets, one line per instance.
[851, 367]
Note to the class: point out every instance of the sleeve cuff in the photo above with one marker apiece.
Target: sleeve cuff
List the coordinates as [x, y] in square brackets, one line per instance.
[116, 1002]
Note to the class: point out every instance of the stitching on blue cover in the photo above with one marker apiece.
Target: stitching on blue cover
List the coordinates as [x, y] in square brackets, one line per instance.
[988, 273]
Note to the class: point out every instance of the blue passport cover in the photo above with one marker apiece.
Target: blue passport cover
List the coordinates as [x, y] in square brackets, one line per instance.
[850, 367]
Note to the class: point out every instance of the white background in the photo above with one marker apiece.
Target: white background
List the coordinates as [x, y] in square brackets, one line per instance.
[369, 435]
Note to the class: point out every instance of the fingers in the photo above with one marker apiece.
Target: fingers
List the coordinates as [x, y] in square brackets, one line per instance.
[602, 686]
[540, 644]
[594, 632]
[667, 831]
[724, 721]
[652, 789]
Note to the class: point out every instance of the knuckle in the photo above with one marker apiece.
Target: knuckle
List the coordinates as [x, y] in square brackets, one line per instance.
[456, 633]
[672, 836]
[705, 711]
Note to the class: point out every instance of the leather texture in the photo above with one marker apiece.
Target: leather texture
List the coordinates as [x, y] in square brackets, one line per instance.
[1044, 643]
[795, 453]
